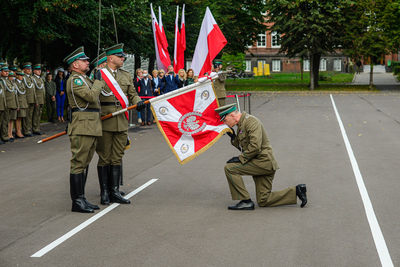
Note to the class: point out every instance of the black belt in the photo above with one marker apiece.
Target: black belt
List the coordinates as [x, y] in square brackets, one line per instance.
[116, 103]
[86, 110]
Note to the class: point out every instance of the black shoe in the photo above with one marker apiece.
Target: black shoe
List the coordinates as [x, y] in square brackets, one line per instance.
[38, 133]
[2, 143]
[242, 206]
[29, 135]
[301, 193]
[19, 137]
[11, 140]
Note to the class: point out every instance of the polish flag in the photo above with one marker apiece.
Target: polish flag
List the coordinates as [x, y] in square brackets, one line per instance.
[160, 41]
[180, 42]
[209, 43]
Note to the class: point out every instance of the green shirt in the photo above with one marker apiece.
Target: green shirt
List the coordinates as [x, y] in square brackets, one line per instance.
[50, 88]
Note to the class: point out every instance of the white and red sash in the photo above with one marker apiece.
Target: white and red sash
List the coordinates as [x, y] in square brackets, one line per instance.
[116, 89]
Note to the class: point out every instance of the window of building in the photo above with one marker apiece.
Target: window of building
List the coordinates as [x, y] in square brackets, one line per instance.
[276, 65]
[322, 64]
[306, 65]
[262, 41]
[275, 38]
[248, 65]
[337, 64]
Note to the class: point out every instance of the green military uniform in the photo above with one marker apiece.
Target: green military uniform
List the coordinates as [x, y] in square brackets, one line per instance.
[21, 91]
[40, 97]
[50, 87]
[219, 88]
[83, 129]
[111, 144]
[3, 110]
[30, 98]
[256, 159]
[12, 104]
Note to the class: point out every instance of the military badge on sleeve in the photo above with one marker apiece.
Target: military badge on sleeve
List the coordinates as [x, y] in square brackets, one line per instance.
[78, 81]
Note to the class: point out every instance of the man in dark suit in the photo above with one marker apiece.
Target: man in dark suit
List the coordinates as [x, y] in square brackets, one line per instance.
[146, 89]
[171, 80]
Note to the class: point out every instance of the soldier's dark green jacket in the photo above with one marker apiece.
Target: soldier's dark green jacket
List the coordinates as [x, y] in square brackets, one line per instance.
[252, 140]
[9, 90]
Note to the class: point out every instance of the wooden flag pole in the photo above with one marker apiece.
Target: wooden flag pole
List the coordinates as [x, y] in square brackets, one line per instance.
[102, 118]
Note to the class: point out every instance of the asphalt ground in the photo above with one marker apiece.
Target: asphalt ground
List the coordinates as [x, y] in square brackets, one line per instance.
[181, 219]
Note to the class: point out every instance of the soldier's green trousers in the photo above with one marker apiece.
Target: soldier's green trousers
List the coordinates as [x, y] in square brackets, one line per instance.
[27, 121]
[37, 114]
[111, 147]
[4, 125]
[82, 149]
[263, 181]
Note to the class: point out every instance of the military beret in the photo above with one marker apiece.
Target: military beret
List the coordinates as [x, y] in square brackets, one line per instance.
[225, 110]
[78, 54]
[102, 58]
[116, 50]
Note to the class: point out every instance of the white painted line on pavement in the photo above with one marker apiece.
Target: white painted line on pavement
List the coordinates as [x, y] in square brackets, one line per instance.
[379, 240]
[63, 238]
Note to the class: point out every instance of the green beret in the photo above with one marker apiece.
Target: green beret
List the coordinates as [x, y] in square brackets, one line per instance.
[116, 50]
[78, 54]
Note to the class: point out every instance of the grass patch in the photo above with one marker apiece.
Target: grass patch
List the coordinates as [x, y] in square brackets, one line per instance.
[293, 78]
[297, 87]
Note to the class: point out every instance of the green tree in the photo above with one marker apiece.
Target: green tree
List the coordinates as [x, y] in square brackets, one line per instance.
[308, 28]
[235, 62]
[372, 30]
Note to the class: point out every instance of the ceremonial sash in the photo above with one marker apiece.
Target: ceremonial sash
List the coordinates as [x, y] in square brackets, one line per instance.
[116, 89]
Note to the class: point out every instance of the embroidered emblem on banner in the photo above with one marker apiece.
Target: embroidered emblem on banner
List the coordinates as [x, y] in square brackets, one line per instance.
[189, 123]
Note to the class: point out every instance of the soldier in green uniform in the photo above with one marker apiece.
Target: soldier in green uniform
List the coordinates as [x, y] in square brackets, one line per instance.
[11, 100]
[219, 83]
[30, 98]
[256, 159]
[50, 87]
[84, 125]
[98, 64]
[23, 104]
[40, 97]
[3, 112]
[111, 144]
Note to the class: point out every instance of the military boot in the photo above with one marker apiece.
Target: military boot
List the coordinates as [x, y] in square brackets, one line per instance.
[78, 193]
[102, 172]
[95, 207]
[115, 195]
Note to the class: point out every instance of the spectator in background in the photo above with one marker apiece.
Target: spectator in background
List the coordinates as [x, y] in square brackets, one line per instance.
[189, 77]
[146, 89]
[161, 74]
[157, 83]
[195, 79]
[61, 85]
[181, 78]
[136, 83]
[358, 64]
[171, 80]
[50, 87]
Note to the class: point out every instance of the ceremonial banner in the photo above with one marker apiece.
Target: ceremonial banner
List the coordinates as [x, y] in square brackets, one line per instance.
[187, 119]
[209, 43]
[160, 41]
[180, 42]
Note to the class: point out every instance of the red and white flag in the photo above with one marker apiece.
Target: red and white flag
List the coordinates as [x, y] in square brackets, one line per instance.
[187, 119]
[160, 41]
[209, 43]
[180, 42]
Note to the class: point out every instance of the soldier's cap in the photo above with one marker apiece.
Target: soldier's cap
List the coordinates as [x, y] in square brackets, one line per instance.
[37, 66]
[20, 72]
[2, 62]
[5, 67]
[13, 67]
[11, 74]
[225, 110]
[78, 54]
[27, 65]
[102, 58]
[116, 50]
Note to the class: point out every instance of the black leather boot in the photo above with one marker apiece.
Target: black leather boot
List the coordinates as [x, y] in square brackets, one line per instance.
[95, 207]
[102, 172]
[301, 192]
[78, 193]
[115, 196]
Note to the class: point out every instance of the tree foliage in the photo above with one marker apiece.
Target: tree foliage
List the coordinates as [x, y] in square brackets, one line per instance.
[308, 28]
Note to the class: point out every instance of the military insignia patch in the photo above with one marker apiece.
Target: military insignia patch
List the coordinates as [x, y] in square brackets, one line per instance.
[78, 82]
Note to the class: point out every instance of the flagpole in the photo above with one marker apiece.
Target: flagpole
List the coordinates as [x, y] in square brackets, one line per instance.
[102, 118]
